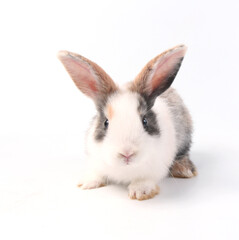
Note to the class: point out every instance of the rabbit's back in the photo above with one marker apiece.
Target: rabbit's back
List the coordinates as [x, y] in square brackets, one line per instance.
[181, 119]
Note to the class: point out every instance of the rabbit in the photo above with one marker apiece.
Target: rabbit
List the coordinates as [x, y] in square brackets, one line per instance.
[142, 130]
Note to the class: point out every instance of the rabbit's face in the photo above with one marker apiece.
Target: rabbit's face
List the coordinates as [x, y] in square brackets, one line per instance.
[125, 126]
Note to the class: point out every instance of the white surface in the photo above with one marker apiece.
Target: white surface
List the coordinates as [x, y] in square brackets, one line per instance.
[43, 118]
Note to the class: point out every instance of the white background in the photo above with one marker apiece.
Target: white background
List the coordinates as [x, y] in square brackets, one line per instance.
[43, 118]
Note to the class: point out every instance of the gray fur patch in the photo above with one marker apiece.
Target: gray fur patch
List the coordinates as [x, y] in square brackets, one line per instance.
[182, 122]
[152, 127]
[183, 151]
[142, 107]
[100, 130]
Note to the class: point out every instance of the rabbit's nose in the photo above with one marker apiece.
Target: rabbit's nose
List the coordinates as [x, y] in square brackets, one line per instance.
[126, 156]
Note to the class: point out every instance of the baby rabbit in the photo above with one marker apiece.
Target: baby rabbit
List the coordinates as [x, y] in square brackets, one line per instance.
[142, 131]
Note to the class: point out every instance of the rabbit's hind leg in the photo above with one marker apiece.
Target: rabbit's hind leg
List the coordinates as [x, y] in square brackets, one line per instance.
[183, 167]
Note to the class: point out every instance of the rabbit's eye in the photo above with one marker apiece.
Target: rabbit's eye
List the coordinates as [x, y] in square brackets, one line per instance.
[145, 122]
[106, 123]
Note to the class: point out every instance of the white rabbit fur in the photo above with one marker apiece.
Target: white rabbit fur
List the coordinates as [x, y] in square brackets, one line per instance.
[161, 150]
[128, 150]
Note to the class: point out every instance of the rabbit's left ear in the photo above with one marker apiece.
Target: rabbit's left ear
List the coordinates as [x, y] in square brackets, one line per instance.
[158, 74]
[90, 78]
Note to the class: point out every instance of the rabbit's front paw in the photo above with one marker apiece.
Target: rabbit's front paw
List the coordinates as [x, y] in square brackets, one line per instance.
[92, 183]
[143, 190]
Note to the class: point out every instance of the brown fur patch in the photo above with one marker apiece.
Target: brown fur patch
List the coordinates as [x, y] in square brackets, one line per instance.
[104, 84]
[183, 168]
[140, 83]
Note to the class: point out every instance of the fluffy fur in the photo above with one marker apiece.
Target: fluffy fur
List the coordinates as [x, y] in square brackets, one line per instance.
[141, 130]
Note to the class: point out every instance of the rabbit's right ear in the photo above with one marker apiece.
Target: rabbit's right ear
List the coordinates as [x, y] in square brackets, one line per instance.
[159, 73]
[91, 79]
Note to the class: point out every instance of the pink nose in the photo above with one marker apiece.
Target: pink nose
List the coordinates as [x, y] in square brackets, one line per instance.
[126, 157]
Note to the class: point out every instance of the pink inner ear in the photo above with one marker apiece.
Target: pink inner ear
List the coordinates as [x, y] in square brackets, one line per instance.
[92, 86]
[85, 77]
[166, 66]
[162, 70]
[82, 75]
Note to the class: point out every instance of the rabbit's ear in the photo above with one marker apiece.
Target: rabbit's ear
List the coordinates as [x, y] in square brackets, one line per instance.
[159, 73]
[91, 79]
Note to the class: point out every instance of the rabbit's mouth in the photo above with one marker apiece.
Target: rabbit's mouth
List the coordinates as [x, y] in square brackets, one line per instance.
[127, 158]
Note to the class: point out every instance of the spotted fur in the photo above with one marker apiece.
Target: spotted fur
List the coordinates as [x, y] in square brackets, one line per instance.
[148, 131]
